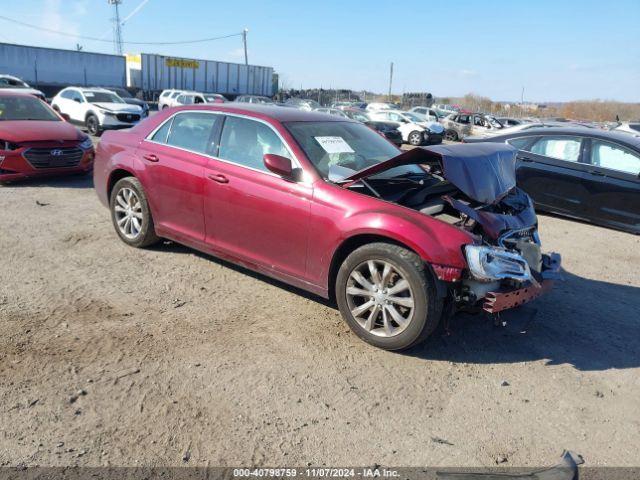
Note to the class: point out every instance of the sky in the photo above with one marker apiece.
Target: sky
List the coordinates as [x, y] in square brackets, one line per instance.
[557, 50]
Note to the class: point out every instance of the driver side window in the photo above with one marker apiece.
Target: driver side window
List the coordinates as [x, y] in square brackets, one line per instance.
[245, 142]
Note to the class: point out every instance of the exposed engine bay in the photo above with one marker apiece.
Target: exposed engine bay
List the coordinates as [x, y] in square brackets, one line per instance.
[473, 189]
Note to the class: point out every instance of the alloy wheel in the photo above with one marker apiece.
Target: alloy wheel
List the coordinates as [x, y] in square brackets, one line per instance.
[380, 298]
[415, 138]
[128, 212]
[92, 125]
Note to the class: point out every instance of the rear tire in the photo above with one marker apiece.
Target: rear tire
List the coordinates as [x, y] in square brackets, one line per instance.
[451, 135]
[131, 215]
[404, 307]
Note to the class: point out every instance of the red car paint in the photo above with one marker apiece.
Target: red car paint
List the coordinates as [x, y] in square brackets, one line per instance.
[46, 137]
[288, 230]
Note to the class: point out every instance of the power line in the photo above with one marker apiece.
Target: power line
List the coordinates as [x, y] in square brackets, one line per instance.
[95, 39]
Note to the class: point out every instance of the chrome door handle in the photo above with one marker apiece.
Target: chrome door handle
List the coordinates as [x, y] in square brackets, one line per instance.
[150, 157]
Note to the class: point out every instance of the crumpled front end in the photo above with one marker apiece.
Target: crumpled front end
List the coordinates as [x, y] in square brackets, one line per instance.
[473, 188]
[507, 268]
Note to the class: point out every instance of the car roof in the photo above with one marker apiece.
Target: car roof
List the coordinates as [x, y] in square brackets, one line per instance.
[281, 114]
[620, 137]
[10, 92]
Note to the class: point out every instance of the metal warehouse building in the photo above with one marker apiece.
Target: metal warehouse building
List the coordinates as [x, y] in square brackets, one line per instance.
[51, 69]
[159, 72]
[43, 67]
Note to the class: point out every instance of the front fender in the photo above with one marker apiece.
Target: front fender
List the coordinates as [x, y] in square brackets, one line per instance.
[436, 242]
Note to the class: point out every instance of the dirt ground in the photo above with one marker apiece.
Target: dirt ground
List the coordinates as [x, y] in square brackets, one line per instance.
[116, 356]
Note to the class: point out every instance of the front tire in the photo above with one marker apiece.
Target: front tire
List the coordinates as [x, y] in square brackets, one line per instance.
[93, 125]
[387, 296]
[451, 135]
[131, 215]
[415, 138]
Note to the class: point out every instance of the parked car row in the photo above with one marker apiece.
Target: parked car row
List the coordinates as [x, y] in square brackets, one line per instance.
[174, 98]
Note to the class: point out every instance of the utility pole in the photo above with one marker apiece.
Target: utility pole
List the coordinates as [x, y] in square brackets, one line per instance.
[244, 41]
[117, 30]
[390, 80]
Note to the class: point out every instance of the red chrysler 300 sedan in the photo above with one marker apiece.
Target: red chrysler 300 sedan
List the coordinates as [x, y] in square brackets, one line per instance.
[399, 240]
[35, 140]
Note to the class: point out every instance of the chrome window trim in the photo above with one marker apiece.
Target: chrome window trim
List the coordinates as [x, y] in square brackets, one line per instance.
[294, 159]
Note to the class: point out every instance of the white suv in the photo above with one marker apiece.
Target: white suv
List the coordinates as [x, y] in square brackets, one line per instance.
[168, 98]
[97, 109]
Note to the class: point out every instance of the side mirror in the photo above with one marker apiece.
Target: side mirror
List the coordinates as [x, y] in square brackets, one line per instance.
[278, 164]
[66, 117]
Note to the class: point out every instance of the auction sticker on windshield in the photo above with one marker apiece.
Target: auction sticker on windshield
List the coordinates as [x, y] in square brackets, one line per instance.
[334, 145]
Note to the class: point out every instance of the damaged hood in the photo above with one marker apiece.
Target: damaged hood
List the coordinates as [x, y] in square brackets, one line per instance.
[485, 172]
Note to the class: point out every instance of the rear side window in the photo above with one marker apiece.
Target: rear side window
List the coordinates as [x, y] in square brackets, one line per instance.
[614, 157]
[161, 134]
[245, 141]
[519, 143]
[562, 147]
[193, 131]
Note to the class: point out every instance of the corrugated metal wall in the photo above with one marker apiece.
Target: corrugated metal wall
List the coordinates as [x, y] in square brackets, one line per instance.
[52, 66]
[160, 72]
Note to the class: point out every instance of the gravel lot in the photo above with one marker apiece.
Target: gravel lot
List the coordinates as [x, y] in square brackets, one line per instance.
[116, 356]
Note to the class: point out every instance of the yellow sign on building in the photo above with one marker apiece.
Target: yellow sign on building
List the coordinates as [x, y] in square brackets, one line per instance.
[182, 63]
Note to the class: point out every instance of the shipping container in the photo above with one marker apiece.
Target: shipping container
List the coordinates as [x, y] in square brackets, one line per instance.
[159, 72]
[41, 67]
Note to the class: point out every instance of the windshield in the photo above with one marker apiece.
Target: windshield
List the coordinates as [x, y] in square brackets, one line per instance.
[414, 117]
[345, 148]
[361, 117]
[25, 108]
[262, 100]
[102, 97]
[122, 93]
[9, 82]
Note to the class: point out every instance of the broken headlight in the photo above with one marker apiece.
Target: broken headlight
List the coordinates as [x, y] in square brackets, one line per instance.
[489, 263]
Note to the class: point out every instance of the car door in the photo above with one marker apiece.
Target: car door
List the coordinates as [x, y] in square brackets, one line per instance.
[252, 214]
[550, 170]
[612, 184]
[478, 125]
[404, 127]
[70, 102]
[173, 160]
